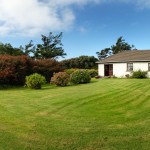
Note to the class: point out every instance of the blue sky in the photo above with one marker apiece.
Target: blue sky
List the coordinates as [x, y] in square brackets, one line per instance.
[87, 25]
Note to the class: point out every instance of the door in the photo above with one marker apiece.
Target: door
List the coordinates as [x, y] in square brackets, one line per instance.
[109, 70]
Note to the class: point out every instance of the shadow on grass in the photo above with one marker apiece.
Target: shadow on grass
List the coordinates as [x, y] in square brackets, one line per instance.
[11, 87]
[44, 87]
[50, 86]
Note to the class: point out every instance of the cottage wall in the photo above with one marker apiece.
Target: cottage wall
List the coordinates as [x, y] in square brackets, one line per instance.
[142, 66]
[101, 70]
[120, 69]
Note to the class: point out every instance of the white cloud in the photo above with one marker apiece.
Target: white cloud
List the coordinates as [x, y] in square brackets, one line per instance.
[30, 17]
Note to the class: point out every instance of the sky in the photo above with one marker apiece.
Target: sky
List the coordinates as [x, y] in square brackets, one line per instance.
[88, 26]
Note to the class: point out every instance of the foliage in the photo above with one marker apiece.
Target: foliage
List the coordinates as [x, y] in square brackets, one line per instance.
[120, 46]
[82, 62]
[60, 79]
[14, 69]
[29, 49]
[139, 74]
[70, 71]
[35, 81]
[80, 76]
[127, 76]
[46, 67]
[93, 72]
[7, 49]
[104, 53]
[98, 77]
[50, 48]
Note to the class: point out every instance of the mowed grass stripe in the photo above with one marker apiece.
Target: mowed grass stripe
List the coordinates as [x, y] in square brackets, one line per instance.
[112, 95]
[105, 114]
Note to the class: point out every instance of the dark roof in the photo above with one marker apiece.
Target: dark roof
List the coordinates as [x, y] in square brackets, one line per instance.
[128, 56]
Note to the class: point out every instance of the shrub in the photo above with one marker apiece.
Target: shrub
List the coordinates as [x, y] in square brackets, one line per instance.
[35, 81]
[70, 71]
[81, 62]
[139, 74]
[14, 69]
[46, 67]
[98, 77]
[60, 79]
[127, 76]
[80, 76]
[93, 72]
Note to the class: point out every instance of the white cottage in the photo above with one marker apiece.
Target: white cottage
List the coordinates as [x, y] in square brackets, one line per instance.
[124, 63]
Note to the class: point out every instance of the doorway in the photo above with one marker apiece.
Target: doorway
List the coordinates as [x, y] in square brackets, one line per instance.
[108, 69]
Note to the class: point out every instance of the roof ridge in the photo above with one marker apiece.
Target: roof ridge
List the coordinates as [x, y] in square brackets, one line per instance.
[128, 55]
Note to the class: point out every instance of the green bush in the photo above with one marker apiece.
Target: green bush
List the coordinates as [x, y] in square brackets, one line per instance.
[60, 79]
[35, 81]
[70, 71]
[139, 74]
[81, 62]
[80, 76]
[93, 72]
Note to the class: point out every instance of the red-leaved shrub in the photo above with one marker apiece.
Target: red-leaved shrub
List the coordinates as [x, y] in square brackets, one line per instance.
[14, 69]
[60, 79]
[46, 67]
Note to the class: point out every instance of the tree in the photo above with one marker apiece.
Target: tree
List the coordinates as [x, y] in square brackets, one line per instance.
[104, 53]
[120, 46]
[81, 62]
[29, 49]
[50, 48]
[7, 49]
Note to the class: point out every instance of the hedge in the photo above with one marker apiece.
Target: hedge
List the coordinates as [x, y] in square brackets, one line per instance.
[14, 69]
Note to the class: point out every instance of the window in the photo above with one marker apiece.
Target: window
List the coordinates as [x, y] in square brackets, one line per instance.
[129, 66]
[148, 66]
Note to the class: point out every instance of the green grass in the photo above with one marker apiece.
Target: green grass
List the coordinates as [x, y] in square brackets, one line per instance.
[107, 114]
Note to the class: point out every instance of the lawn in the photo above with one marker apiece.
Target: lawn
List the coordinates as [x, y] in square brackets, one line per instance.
[106, 114]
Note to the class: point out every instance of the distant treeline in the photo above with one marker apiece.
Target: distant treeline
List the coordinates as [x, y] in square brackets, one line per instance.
[82, 62]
